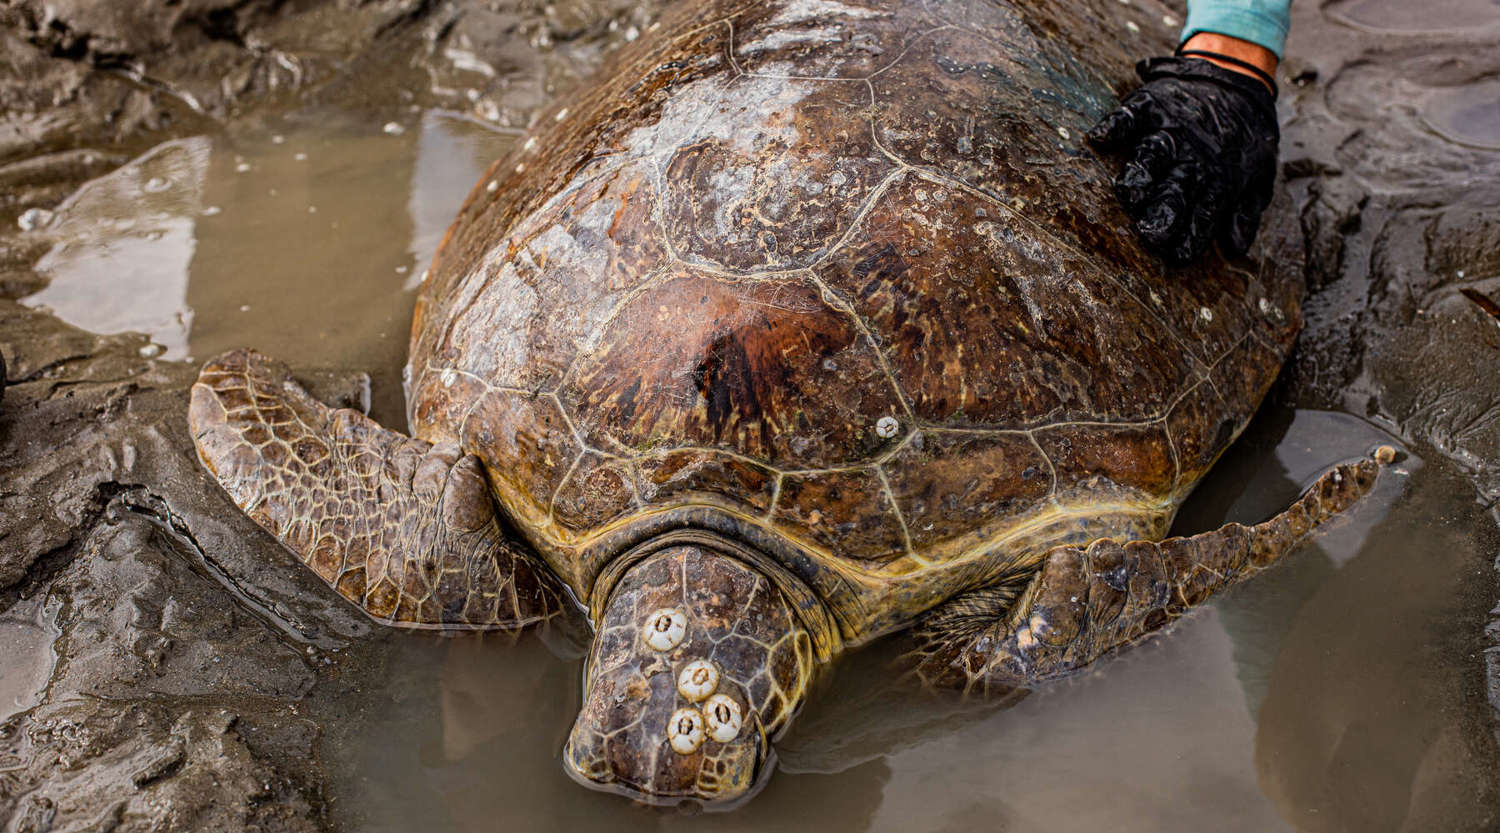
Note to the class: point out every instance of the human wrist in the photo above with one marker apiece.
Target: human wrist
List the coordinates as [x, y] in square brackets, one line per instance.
[1241, 50]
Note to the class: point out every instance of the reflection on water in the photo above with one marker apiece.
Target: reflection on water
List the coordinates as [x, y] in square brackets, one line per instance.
[1281, 707]
[306, 243]
[125, 242]
[452, 152]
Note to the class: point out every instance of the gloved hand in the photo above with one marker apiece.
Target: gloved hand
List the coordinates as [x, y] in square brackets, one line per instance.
[1202, 142]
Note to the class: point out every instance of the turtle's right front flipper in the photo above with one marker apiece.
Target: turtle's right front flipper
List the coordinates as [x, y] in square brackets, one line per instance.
[405, 529]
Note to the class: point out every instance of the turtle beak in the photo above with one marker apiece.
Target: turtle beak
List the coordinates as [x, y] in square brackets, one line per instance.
[698, 662]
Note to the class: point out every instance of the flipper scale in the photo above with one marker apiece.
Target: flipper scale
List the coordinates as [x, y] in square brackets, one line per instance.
[1085, 602]
[402, 528]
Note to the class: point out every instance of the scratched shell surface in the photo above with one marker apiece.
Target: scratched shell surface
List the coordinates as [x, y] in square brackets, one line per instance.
[842, 279]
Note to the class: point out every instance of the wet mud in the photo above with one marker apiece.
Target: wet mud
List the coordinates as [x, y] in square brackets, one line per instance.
[1390, 134]
[159, 654]
[153, 664]
[173, 181]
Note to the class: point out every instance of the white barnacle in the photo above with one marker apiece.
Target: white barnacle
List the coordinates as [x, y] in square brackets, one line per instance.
[449, 377]
[697, 680]
[886, 427]
[664, 629]
[1025, 639]
[1205, 313]
[685, 731]
[33, 218]
[724, 718]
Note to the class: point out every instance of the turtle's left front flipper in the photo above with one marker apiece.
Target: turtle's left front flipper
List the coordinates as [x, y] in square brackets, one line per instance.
[1086, 601]
[403, 528]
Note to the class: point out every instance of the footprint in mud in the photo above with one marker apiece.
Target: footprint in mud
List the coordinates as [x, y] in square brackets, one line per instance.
[1406, 17]
[1469, 115]
[27, 631]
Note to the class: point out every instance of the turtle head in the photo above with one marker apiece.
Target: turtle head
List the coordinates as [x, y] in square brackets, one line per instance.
[698, 662]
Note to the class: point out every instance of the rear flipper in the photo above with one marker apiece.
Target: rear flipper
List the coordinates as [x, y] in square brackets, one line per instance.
[1085, 602]
[405, 529]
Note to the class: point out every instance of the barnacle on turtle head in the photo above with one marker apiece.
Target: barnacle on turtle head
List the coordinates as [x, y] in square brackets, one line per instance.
[699, 661]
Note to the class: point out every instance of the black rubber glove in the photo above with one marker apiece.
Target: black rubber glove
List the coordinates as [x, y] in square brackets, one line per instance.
[1202, 143]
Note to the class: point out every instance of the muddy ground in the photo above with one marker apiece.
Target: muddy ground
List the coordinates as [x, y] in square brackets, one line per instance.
[184, 641]
[182, 646]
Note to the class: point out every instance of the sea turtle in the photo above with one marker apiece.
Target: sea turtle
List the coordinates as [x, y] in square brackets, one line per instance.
[808, 322]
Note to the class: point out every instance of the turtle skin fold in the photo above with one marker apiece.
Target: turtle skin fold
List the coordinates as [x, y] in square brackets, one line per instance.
[1202, 143]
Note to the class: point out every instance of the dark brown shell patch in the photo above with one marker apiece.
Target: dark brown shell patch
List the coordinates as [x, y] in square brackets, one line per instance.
[1109, 463]
[988, 322]
[765, 369]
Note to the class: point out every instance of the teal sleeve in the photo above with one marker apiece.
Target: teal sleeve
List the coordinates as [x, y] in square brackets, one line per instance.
[1259, 21]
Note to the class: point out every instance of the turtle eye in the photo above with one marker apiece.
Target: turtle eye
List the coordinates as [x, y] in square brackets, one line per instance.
[724, 718]
[685, 731]
[664, 629]
[697, 680]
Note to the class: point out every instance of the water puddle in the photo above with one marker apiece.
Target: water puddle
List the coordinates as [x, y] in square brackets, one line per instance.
[1468, 115]
[1352, 657]
[126, 243]
[1405, 17]
[27, 632]
[307, 242]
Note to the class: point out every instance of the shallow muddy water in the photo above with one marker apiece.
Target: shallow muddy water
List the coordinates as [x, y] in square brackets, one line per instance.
[27, 632]
[1338, 692]
[1342, 691]
[305, 239]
